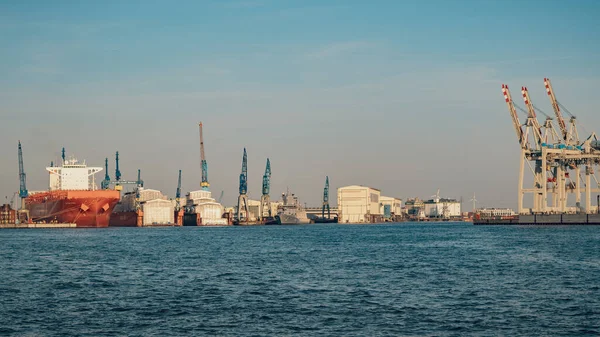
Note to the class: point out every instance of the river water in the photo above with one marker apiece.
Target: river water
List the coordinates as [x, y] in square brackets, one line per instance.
[447, 279]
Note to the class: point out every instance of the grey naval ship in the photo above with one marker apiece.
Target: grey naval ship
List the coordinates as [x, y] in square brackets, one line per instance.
[291, 211]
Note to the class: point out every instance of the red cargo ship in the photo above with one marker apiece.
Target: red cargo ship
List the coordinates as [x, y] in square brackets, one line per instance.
[73, 197]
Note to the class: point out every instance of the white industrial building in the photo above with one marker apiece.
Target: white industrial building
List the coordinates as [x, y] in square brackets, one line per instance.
[493, 212]
[201, 202]
[358, 204]
[442, 208]
[156, 207]
[390, 206]
[158, 212]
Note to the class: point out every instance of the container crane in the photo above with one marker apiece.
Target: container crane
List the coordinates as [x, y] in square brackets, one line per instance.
[326, 200]
[204, 167]
[571, 137]
[243, 198]
[265, 200]
[178, 194]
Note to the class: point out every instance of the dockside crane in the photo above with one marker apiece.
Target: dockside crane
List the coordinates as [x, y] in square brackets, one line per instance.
[105, 184]
[265, 199]
[140, 182]
[243, 198]
[203, 165]
[23, 193]
[326, 200]
[178, 194]
[22, 213]
[117, 171]
[571, 137]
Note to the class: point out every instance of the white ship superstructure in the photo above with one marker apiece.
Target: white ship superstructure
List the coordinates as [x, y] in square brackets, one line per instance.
[72, 175]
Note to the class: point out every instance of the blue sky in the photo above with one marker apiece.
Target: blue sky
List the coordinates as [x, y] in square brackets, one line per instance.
[403, 96]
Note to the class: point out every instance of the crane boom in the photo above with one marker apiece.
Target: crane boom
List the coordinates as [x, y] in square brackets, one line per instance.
[203, 166]
[515, 117]
[537, 128]
[556, 107]
[23, 193]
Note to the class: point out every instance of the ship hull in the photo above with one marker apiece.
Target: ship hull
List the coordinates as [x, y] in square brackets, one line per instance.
[84, 208]
[287, 219]
[124, 219]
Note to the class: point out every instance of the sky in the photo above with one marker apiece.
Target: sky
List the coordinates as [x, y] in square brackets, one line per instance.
[402, 96]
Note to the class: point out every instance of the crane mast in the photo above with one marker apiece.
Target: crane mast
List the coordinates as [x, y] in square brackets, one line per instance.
[203, 166]
[265, 200]
[244, 174]
[106, 182]
[117, 171]
[140, 182]
[326, 199]
[23, 193]
[515, 118]
[178, 194]
[243, 198]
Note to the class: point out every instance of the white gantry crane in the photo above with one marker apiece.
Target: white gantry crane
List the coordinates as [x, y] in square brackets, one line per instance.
[555, 161]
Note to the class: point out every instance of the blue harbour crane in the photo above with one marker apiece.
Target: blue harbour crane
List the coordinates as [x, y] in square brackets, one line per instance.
[140, 182]
[178, 194]
[204, 185]
[117, 171]
[326, 199]
[106, 182]
[23, 193]
[265, 200]
[243, 198]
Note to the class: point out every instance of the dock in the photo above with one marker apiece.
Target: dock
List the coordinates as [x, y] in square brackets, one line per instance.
[543, 219]
[37, 225]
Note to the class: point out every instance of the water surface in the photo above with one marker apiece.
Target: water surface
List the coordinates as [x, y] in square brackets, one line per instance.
[343, 280]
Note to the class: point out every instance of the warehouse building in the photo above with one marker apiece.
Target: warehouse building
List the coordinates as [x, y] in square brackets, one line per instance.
[391, 208]
[442, 208]
[359, 204]
[201, 202]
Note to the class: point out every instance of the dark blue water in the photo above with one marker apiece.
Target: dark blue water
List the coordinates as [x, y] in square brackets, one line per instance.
[342, 280]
